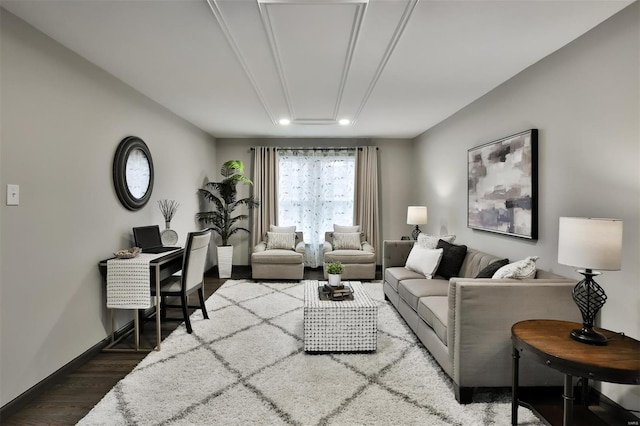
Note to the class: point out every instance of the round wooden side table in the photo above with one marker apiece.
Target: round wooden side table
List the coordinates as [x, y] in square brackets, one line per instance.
[550, 343]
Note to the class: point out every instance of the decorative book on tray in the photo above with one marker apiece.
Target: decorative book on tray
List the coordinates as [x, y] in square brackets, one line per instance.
[341, 292]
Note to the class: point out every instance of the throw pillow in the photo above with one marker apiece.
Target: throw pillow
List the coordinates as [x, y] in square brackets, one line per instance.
[347, 229]
[431, 242]
[491, 268]
[346, 241]
[280, 240]
[423, 261]
[520, 270]
[282, 229]
[452, 258]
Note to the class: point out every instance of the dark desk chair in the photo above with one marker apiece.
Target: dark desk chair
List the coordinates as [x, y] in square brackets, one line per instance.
[191, 278]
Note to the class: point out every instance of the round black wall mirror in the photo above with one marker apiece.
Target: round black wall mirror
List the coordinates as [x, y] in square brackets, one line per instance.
[133, 173]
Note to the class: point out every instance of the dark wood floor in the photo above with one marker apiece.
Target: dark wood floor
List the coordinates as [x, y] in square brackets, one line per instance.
[72, 396]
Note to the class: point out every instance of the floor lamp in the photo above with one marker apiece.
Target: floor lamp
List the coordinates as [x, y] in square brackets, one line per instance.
[590, 244]
[416, 215]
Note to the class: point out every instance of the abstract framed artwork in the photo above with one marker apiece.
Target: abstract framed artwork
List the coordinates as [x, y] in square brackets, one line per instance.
[503, 186]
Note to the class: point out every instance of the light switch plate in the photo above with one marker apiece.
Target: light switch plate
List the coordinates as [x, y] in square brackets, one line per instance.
[13, 195]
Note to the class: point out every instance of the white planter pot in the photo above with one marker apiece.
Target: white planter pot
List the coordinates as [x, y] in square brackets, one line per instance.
[225, 260]
[335, 280]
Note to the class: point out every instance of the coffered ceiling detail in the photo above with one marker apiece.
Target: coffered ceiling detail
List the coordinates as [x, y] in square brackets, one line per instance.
[312, 47]
[235, 68]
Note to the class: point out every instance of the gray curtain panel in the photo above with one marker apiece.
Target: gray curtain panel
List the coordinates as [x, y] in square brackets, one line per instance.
[265, 183]
[367, 195]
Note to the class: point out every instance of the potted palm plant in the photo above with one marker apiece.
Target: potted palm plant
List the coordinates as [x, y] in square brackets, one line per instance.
[334, 273]
[223, 196]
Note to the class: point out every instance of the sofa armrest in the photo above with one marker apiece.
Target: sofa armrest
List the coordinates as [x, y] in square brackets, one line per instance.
[300, 247]
[261, 246]
[395, 253]
[327, 247]
[481, 314]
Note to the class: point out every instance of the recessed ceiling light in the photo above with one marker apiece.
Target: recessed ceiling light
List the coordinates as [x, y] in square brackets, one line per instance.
[284, 121]
[344, 121]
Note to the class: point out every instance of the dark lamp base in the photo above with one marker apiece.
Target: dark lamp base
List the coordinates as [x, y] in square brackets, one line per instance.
[416, 232]
[588, 336]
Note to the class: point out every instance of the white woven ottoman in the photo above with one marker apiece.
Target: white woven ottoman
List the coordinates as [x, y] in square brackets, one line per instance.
[339, 326]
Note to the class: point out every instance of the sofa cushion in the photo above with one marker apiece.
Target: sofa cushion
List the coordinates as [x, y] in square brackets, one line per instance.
[412, 290]
[431, 242]
[434, 310]
[522, 269]
[349, 256]
[491, 268]
[346, 241]
[281, 240]
[474, 262]
[424, 261]
[399, 273]
[452, 258]
[276, 256]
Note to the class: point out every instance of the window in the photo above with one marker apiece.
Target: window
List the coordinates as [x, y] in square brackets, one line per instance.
[315, 190]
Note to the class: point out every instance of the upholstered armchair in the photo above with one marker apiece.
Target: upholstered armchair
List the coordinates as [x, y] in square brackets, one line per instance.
[351, 249]
[279, 256]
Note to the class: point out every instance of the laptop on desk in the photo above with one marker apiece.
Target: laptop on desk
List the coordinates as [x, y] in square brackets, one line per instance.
[149, 240]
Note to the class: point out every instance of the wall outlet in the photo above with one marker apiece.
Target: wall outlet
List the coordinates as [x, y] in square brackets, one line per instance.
[13, 195]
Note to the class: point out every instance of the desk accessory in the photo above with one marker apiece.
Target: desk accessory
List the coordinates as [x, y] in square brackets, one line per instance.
[129, 253]
[168, 209]
[590, 244]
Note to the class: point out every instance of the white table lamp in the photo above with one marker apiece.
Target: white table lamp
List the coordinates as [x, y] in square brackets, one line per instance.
[590, 244]
[416, 215]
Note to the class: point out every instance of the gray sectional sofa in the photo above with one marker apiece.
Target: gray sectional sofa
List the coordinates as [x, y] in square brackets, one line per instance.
[465, 323]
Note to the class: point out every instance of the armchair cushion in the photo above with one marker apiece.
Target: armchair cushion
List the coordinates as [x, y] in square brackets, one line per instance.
[282, 229]
[344, 228]
[277, 257]
[281, 240]
[348, 257]
[346, 241]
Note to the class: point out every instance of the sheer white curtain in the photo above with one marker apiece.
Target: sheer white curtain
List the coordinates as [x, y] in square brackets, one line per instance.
[315, 190]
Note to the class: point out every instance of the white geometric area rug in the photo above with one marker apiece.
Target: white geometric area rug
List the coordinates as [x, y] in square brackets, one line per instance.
[246, 366]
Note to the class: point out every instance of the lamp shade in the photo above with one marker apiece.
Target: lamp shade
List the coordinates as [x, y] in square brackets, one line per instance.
[416, 215]
[590, 243]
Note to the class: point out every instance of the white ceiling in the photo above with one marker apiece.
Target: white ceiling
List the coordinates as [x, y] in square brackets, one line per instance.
[235, 67]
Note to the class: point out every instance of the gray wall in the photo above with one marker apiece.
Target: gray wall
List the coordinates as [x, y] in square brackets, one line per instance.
[584, 99]
[394, 156]
[62, 119]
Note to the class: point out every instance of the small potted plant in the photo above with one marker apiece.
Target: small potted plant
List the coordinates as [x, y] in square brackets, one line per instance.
[334, 272]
